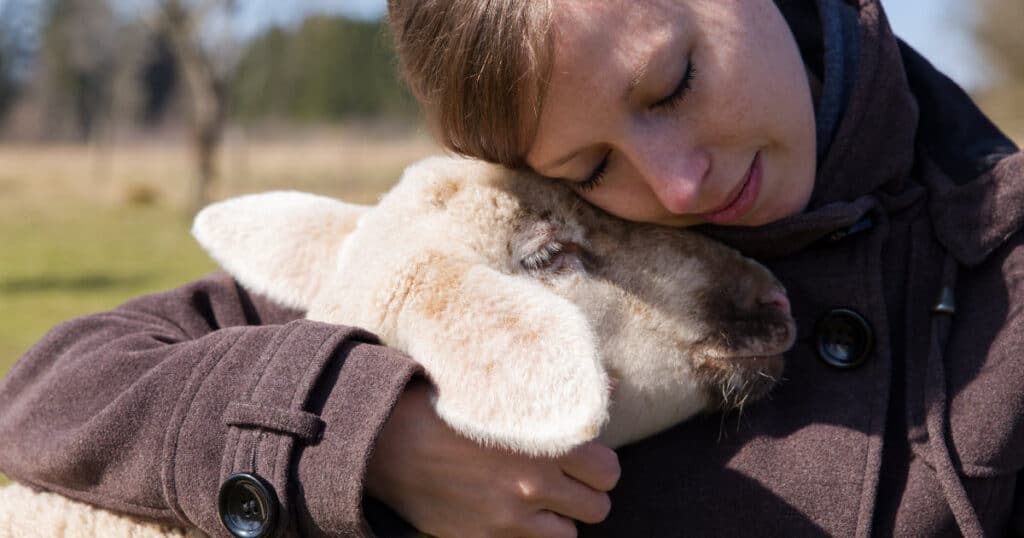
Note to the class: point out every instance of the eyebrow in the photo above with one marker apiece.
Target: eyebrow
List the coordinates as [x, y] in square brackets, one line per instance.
[638, 76]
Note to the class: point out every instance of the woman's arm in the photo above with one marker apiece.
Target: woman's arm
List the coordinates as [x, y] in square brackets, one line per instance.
[148, 408]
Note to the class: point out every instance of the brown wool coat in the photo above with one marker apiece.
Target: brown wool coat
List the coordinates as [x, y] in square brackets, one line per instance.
[126, 409]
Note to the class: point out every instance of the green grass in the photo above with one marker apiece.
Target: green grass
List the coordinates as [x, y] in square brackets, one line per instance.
[53, 268]
[73, 243]
[57, 266]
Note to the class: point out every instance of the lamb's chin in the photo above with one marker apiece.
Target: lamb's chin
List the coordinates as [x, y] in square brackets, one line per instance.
[734, 382]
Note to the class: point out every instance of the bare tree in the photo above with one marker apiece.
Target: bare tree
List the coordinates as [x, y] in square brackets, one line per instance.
[77, 60]
[205, 65]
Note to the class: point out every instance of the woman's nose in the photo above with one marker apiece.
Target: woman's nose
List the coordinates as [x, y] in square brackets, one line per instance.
[674, 173]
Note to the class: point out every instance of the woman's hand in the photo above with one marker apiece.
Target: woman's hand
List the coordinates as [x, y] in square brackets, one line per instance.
[448, 486]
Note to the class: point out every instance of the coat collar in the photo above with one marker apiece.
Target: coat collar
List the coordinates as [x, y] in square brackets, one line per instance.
[973, 172]
[974, 203]
[973, 219]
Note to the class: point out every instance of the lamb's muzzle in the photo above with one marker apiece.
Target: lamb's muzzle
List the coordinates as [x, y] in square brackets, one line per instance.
[777, 299]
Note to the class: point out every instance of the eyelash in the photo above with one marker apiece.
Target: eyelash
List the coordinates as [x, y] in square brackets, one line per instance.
[595, 177]
[681, 91]
[669, 102]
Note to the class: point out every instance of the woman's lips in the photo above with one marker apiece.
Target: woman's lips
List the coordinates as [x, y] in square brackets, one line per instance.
[742, 199]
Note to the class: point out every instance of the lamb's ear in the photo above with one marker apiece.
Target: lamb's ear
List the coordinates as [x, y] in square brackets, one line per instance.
[279, 244]
[515, 365]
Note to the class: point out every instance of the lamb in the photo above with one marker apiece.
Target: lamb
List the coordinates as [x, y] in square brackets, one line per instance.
[523, 304]
[541, 322]
[26, 513]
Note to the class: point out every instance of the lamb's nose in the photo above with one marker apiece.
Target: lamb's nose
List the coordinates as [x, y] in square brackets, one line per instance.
[776, 298]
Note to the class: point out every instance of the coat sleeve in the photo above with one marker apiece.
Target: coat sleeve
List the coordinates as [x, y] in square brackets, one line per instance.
[148, 408]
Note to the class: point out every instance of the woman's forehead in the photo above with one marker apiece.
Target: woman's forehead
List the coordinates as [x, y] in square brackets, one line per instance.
[574, 19]
[602, 51]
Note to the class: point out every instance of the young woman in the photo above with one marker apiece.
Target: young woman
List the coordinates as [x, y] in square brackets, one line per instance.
[801, 132]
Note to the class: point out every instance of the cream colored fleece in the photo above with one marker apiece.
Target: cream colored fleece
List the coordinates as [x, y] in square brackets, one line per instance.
[25, 513]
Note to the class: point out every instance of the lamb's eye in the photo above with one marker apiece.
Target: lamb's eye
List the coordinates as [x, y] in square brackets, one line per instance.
[544, 257]
[557, 257]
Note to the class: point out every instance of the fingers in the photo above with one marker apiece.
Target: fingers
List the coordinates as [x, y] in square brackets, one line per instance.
[592, 464]
[578, 491]
[576, 501]
[547, 524]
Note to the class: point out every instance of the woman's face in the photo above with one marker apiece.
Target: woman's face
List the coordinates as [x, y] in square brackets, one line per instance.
[678, 112]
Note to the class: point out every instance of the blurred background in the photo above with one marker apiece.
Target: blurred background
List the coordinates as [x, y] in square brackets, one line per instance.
[119, 117]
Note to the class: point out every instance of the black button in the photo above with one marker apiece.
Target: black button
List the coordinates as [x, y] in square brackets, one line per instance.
[843, 338]
[247, 506]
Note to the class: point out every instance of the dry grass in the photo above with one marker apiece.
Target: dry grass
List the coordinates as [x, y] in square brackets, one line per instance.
[83, 229]
[86, 227]
[352, 163]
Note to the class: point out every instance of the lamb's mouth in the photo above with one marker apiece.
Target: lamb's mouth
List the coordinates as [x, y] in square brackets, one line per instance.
[732, 382]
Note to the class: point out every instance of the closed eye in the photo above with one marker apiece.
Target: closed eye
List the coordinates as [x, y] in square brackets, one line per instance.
[543, 257]
[595, 177]
[668, 102]
[557, 257]
[673, 99]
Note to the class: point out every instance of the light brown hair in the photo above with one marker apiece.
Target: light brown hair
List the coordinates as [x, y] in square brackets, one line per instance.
[478, 69]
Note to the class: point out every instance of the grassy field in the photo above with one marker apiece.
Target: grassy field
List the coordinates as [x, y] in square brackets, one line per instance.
[83, 228]
[55, 267]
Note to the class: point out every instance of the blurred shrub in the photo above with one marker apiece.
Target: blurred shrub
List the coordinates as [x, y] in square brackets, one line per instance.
[329, 68]
[140, 194]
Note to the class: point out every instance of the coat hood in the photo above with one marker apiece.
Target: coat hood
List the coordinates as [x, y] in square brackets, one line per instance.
[904, 125]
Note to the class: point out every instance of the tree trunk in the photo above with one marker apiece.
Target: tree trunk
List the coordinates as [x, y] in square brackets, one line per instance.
[206, 143]
[207, 98]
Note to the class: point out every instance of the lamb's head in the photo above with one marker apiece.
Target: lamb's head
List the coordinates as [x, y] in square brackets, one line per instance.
[684, 323]
[524, 304]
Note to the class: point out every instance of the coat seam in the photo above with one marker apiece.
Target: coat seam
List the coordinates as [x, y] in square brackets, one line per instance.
[282, 445]
[876, 439]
